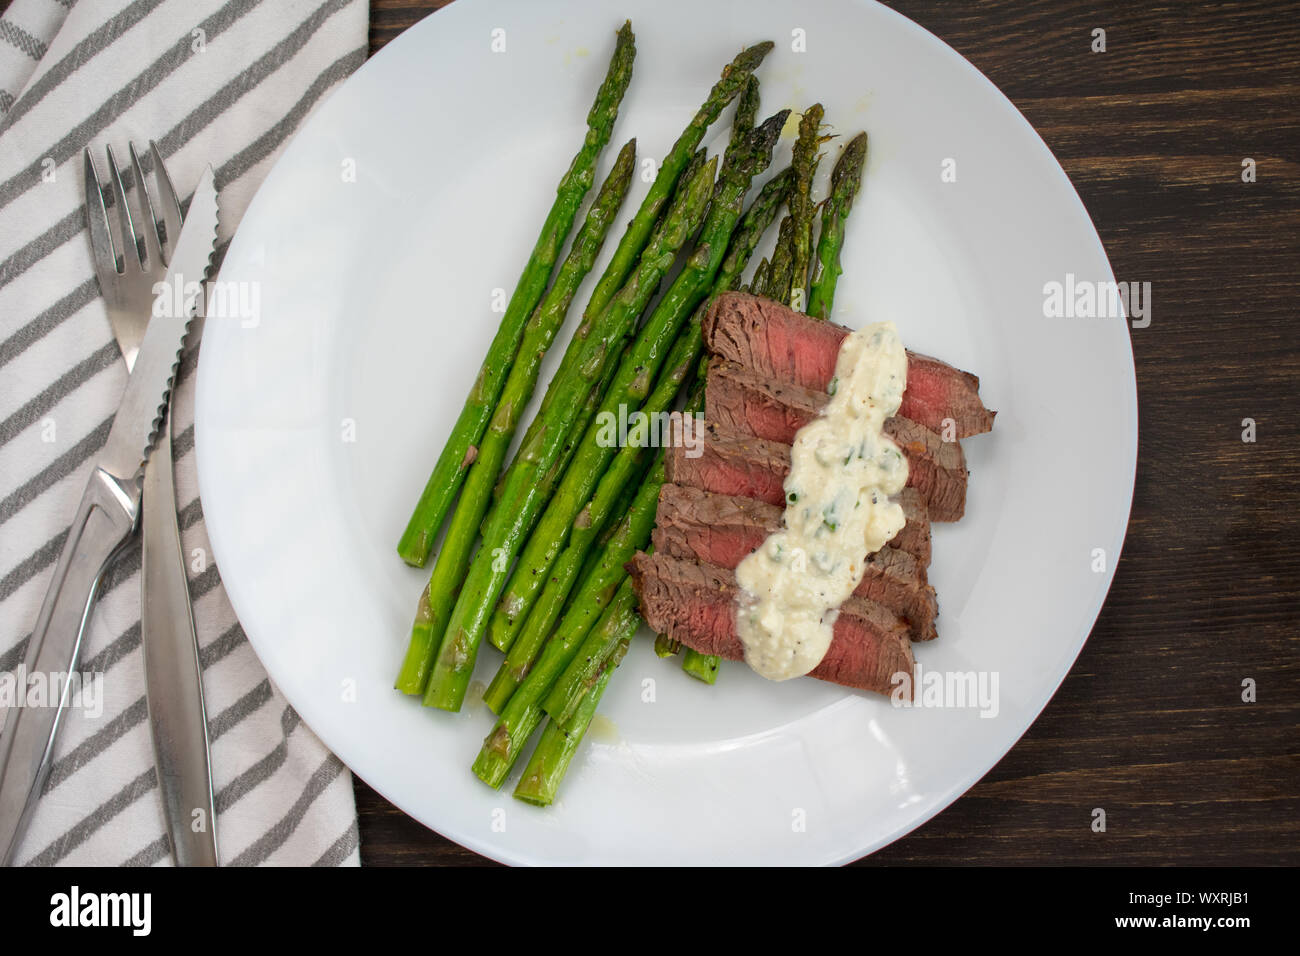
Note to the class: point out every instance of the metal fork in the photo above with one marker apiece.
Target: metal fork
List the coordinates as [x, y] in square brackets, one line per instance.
[128, 267]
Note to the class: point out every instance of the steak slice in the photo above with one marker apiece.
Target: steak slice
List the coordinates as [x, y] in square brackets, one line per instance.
[696, 605]
[722, 531]
[779, 343]
[744, 402]
[935, 468]
[732, 464]
[737, 464]
[743, 467]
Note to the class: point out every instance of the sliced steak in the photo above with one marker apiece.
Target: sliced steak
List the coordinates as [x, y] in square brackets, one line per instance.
[743, 467]
[734, 463]
[935, 468]
[723, 512]
[723, 531]
[696, 605]
[744, 402]
[779, 343]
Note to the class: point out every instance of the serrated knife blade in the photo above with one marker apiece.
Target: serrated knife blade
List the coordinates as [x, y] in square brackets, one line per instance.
[143, 403]
[105, 519]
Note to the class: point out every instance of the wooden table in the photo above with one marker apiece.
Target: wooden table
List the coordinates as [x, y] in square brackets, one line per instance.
[1150, 724]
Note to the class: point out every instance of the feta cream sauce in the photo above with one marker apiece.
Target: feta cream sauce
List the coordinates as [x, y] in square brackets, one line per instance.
[838, 511]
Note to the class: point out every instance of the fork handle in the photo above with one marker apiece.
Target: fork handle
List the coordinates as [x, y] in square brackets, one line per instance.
[104, 522]
[173, 675]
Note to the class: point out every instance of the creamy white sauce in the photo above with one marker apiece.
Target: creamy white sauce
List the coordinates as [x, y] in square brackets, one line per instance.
[838, 511]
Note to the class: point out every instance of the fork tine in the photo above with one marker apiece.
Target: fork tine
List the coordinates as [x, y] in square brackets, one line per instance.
[152, 249]
[101, 236]
[130, 238]
[168, 204]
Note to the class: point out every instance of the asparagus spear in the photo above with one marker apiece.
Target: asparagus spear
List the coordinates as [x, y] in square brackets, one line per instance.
[541, 597]
[762, 276]
[701, 666]
[778, 283]
[633, 380]
[580, 336]
[801, 205]
[586, 665]
[572, 566]
[560, 741]
[845, 180]
[665, 646]
[518, 502]
[746, 113]
[460, 451]
[604, 592]
[449, 570]
[572, 702]
[735, 77]
[628, 390]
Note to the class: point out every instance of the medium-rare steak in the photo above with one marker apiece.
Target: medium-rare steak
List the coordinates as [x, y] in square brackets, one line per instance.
[733, 463]
[722, 530]
[744, 402]
[743, 467]
[696, 605]
[779, 343]
[936, 468]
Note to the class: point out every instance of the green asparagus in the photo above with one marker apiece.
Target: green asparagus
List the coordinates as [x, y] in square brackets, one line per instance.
[550, 760]
[449, 569]
[778, 283]
[845, 180]
[628, 390]
[460, 451]
[701, 666]
[600, 592]
[633, 380]
[665, 646]
[584, 416]
[573, 566]
[762, 276]
[735, 77]
[746, 113]
[801, 204]
[586, 666]
[459, 646]
[539, 614]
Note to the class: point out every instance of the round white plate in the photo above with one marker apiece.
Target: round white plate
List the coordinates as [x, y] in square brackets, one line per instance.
[318, 424]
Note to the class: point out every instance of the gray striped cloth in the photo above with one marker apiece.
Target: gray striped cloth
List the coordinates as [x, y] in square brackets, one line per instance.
[224, 82]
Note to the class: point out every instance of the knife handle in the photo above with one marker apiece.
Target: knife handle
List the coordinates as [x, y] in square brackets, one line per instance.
[173, 676]
[104, 522]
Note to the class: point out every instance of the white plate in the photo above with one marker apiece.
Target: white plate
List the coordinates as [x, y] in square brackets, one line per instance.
[375, 315]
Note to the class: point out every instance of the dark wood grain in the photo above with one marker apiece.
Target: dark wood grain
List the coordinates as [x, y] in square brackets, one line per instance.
[1149, 724]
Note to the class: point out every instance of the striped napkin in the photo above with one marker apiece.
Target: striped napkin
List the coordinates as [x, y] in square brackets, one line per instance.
[224, 83]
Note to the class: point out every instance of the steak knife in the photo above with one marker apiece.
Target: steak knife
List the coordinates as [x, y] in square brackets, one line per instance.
[103, 524]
